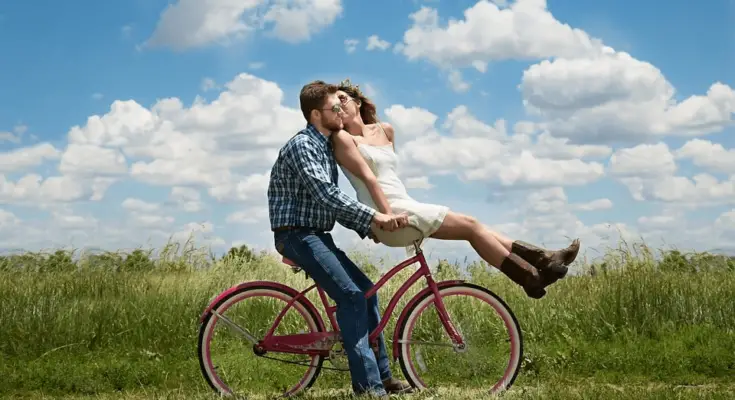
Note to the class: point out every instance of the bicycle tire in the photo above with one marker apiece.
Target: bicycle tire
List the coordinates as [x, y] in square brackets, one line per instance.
[205, 330]
[498, 304]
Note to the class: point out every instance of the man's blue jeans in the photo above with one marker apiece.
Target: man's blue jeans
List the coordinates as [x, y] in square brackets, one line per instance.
[316, 253]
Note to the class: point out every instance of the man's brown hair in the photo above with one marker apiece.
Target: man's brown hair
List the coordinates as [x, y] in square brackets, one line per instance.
[313, 96]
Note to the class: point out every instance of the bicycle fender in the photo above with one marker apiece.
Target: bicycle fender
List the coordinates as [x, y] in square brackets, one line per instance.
[415, 299]
[265, 285]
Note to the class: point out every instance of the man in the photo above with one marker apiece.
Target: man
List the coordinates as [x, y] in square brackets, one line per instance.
[304, 202]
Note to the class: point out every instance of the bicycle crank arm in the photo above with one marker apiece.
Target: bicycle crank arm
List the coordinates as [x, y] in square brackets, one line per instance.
[234, 326]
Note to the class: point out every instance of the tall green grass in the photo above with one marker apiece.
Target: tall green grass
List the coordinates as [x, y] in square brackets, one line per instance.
[90, 324]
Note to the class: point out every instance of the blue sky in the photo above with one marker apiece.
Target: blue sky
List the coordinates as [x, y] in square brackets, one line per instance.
[77, 59]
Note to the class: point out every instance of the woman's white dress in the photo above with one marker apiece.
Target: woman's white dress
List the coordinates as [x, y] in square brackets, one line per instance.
[425, 217]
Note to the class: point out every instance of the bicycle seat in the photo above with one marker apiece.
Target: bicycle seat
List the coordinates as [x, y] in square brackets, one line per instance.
[294, 267]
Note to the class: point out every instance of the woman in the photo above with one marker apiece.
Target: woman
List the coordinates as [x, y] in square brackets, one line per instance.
[366, 155]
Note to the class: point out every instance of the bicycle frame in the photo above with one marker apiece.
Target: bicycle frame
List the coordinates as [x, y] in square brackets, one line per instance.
[321, 342]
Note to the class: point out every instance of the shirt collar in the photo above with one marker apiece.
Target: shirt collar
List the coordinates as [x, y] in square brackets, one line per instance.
[312, 131]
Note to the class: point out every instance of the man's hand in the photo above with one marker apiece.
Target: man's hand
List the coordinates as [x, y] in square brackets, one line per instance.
[372, 236]
[390, 222]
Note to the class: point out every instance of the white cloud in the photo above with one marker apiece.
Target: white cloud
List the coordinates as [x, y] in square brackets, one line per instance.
[15, 136]
[526, 30]
[148, 221]
[25, 158]
[200, 232]
[583, 89]
[411, 121]
[72, 221]
[256, 65]
[35, 190]
[91, 160]
[456, 81]
[194, 23]
[418, 182]
[376, 43]
[461, 123]
[7, 220]
[208, 84]
[224, 146]
[138, 205]
[253, 215]
[644, 160]
[614, 97]
[726, 220]
[351, 45]
[296, 21]
[9, 137]
[698, 191]
[594, 205]
[250, 187]
[706, 154]
[477, 151]
[649, 172]
[210, 145]
[187, 199]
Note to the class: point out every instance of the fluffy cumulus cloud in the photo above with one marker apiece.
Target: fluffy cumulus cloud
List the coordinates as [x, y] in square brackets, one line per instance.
[211, 145]
[489, 32]
[219, 150]
[582, 89]
[651, 173]
[475, 151]
[194, 23]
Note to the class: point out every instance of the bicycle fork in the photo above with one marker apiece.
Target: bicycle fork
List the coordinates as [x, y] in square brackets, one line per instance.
[457, 340]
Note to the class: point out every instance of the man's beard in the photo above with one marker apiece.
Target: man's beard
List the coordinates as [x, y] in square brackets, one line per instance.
[334, 125]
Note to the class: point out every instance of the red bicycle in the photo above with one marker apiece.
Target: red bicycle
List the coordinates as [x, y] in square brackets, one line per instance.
[481, 335]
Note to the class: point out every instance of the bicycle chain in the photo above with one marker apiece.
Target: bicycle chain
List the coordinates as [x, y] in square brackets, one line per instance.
[302, 363]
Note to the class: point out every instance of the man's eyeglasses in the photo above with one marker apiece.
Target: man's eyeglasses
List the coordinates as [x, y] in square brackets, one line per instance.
[335, 108]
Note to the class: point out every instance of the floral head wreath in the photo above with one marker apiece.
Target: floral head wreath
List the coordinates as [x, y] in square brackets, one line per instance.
[346, 83]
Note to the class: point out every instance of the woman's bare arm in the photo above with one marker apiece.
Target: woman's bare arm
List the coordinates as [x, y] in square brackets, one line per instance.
[347, 155]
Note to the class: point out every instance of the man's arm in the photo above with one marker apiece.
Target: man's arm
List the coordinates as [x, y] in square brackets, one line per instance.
[303, 158]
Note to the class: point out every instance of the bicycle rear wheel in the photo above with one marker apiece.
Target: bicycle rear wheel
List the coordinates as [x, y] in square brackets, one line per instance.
[491, 358]
[227, 359]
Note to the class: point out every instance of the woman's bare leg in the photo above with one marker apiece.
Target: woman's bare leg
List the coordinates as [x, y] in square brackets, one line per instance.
[527, 265]
[505, 241]
[462, 227]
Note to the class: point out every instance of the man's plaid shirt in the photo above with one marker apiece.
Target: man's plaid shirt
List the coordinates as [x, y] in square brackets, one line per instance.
[303, 189]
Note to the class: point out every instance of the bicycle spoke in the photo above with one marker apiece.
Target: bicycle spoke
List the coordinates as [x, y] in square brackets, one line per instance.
[236, 327]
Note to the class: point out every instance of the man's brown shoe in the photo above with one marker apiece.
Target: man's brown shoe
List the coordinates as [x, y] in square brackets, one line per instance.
[394, 386]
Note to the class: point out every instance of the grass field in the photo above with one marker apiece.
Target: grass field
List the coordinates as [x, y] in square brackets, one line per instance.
[125, 326]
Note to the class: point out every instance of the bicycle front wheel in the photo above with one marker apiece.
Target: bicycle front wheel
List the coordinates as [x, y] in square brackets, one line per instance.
[493, 350]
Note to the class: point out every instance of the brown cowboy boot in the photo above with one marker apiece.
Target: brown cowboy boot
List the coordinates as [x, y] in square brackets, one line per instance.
[524, 274]
[394, 386]
[551, 264]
